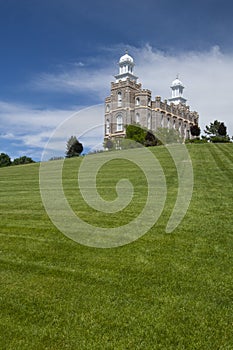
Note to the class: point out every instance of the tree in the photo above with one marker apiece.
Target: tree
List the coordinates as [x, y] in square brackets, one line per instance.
[195, 130]
[168, 136]
[109, 144]
[128, 143]
[217, 132]
[222, 130]
[135, 133]
[150, 139]
[212, 129]
[73, 147]
[23, 160]
[4, 160]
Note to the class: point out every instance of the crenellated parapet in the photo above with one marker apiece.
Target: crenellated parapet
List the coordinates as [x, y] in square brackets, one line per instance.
[177, 110]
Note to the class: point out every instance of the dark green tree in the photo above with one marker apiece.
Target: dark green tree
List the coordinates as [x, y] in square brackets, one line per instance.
[135, 133]
[168, 136]
[217, 132]
[73, 147]
[22, 160]
[109, 144]
[212, 129]
[4, 160]
[222, 130]
[195, 130]
[150, 139]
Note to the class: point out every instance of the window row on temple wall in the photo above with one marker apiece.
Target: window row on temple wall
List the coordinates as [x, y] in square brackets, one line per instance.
[119, 124]
[138, 101]
[164, 123]
[171, 123]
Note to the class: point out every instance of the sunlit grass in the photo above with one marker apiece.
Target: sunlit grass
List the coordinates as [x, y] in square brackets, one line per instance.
[163, 291]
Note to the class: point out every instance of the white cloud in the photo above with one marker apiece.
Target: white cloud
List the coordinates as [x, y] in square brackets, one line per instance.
[30, 129]
[207, 76]
[76, 80]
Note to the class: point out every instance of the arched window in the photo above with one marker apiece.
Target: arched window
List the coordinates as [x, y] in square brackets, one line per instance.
[119, 99]
[119, 126]
[149, 121]
[107, 108]
[107, 127]
[137, 101]
[138, 118]
[161, 121]
[180, 127]
[168, 122]
[174, 123]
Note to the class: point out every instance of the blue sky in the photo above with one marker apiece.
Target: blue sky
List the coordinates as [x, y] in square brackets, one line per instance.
[59, 56]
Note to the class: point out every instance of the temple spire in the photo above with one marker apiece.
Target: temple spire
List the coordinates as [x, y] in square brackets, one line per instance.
[126, 66]
[177, 91]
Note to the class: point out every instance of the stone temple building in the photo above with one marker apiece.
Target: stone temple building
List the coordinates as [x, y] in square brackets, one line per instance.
[130, 104]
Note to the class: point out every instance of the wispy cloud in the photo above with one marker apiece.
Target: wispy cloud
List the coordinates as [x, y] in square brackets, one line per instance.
[207, 76]
[74, 79]
[28, 128]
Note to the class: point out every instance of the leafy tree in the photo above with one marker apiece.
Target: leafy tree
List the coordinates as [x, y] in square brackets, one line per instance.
[222, 130]
[218, 139]
[128, 143]
[135, 133]
[109, 144]
[212, 129]
[167, 136]
[23, 160]
[217, 132]
[73, 147]
[150, 139]
[195, 130]
[4, 160]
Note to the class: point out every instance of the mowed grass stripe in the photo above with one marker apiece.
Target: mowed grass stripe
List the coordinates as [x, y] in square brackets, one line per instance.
[226, 149]
[164, 291]
[223, 161]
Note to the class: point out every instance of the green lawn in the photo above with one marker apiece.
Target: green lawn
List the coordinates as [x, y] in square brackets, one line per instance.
[163, 291]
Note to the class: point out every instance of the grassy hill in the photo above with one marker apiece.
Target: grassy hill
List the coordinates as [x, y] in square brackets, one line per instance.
[163, 291]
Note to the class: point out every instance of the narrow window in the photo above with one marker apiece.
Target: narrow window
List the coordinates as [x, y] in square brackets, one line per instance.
[119, 123]
[161, 121]
[119, 99]
[149, 121]
[107, 127]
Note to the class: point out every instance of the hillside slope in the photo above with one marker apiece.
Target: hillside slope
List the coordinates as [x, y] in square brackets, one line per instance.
[163, 291]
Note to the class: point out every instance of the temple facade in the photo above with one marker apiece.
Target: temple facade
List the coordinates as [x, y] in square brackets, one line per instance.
[129, 103]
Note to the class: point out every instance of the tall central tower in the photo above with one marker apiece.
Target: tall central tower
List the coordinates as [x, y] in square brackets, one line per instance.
[126, 65]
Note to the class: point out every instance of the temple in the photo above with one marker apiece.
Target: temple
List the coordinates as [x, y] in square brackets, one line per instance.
[129, 103]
